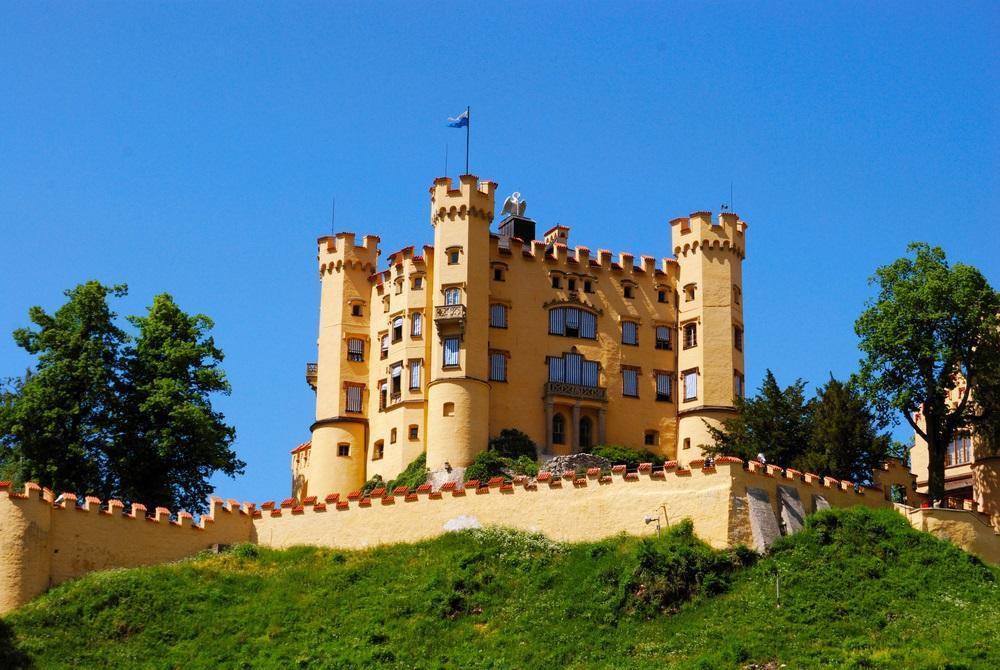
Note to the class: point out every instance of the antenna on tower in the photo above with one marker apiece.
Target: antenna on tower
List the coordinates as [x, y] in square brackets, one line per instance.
[445, 159]
[728, 207]
[333, 217]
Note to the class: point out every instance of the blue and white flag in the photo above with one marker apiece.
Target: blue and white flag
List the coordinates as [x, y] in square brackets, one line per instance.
[460, 121]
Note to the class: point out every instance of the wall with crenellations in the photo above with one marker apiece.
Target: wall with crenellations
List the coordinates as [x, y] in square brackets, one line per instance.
[44, 543]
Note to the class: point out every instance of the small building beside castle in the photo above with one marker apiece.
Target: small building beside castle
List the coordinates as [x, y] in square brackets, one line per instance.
[445, 346]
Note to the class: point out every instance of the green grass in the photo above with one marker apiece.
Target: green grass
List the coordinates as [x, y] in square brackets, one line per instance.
[859, 589]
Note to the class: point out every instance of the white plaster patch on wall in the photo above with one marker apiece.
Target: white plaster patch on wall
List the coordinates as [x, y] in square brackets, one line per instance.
[461, 523]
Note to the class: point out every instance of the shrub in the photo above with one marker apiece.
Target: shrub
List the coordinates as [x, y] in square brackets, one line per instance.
[372, 483]
[413, 475]
[512, 443]
[486, 465]
[619, 455]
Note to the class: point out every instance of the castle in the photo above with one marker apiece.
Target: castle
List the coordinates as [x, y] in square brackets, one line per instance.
[486, 331]
[490, 330]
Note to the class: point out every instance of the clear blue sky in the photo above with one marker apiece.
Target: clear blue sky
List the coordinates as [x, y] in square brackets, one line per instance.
[194, 149]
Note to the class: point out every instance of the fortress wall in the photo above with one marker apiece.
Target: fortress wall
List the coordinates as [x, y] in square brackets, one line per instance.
[565, 509]
[967, 529]
[43, 544]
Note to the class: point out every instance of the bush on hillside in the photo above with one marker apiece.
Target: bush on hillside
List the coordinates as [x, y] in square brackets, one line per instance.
[412, 476]
[631, 458]
[489, 464]
[671, 570]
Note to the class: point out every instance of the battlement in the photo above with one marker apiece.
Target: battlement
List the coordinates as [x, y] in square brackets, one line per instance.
[472, 198]
[698, 230]
[581, 260]
[340, 250]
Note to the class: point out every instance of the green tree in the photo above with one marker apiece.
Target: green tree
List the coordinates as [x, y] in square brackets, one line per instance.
[171, 440]
[930, 325]
[776, 422]
[512, 443]
[845, 442]
[106, 414]
[57, 422]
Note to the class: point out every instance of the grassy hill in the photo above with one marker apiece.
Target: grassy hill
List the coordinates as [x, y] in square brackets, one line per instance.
[859, 589]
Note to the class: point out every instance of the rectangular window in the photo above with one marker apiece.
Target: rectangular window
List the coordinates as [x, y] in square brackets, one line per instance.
[383, 394]
[572, 284]
[738, 385]
[343, 450]
[572, 323]
[574, 368]
[399, 286]
[556, 283]
[355, 310]
[416, 324]
[588, 325]
[452, 296]
[959, 450]
[418, 283]
[497, 274]
[453, 257]
[630, 382]
[385, 346]
[498, 366]
[450, 352]
[590, 374]
[415, 369]
[392, 436]
[397, 329]
[691, 385]
[661, 296]
[414, 431]
[630, 332]
[355, 350]
[738, 338]
[396, 375]
[498, 316]
[690, 335]
[627, 290]
[588, 287]
[663, 337]
[353, 400]
[557, 369]
[664, 387]
[556, 321]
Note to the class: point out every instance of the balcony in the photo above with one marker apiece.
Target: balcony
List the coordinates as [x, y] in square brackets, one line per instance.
[312, 371]
[450, 315]
[567, 390]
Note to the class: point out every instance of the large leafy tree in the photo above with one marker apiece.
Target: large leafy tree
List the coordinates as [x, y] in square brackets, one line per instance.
[114, 415]
[931, 325]
[171, 439]
[776, 422]
[845, 440]
[57, 421]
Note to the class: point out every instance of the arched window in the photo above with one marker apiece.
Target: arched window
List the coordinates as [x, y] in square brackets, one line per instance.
[585, 432]
[558, 429]
[397, 329]
[452, 296]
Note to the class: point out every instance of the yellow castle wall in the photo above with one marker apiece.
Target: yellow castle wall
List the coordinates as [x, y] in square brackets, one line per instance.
[42, 544]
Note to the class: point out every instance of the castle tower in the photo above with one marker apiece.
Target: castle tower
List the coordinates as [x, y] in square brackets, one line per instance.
[339, 435]
[710, 324]
[458, 400]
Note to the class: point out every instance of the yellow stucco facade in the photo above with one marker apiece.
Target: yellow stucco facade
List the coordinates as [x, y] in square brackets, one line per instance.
[442, 348]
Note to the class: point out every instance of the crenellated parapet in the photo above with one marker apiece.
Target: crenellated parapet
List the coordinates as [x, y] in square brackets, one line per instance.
[582, 261]
[699, 231]
[472, 199]
[339, 251]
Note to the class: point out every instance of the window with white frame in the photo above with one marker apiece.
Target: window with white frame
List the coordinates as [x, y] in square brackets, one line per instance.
[397, 329]
[396, 377]
[416, 324]
[385, 346]
[355, 349]
[452, 296]
[691, 385]
[498, 366]
[959, 450]
[664, 386]
[630, 382]
[451, 352]
[630, 333]
[354, 393]
[690, 335]
[498, 315]
[416, 367]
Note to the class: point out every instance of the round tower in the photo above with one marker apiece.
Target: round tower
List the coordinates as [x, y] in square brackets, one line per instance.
[458, 400]
[339, 435]
[709, 324]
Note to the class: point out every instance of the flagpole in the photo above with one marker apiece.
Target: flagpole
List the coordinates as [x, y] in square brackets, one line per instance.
[468, 131]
